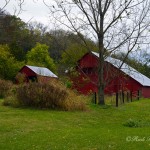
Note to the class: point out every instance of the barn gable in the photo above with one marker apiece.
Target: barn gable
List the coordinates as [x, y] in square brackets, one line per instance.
[34, 73]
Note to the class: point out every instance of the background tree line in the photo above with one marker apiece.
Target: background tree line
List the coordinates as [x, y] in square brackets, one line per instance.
[35, 44]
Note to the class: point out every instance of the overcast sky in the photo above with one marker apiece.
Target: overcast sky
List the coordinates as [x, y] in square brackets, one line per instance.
[33, 9]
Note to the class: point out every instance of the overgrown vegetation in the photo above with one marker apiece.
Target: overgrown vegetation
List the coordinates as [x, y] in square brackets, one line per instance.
[43, 96]
[51, 95]
[5, 87]
[136, 123]
[132, 123]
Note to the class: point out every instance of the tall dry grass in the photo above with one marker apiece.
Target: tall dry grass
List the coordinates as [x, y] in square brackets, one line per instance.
[53, 95]
[5, 87]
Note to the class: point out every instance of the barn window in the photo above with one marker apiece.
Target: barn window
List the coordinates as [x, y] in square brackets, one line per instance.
[32, 78]
[89, 70]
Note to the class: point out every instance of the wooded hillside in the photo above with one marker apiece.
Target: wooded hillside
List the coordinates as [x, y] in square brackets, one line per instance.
[22, 43]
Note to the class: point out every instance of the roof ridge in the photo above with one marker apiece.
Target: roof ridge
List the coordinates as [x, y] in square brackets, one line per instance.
[36, 66]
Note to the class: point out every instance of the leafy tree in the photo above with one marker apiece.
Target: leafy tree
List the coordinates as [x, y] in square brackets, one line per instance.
[17, 51]
[73, 53]
[9, 66]
[59, 43]
[39, 56]
[11, 28]
[61, 40]
[14, 32]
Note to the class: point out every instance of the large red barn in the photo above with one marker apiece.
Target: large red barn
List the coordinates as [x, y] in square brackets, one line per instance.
[34, 73]
[118, 76]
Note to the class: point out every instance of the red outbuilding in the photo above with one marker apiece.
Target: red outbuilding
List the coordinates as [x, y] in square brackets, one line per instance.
[34, 73]
[118, 76]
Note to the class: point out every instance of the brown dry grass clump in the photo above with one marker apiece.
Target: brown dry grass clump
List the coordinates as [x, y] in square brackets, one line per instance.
[75, 101]
[5, 87]
[50, 95]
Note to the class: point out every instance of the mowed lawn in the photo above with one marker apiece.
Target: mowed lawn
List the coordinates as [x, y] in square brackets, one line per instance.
[99, 128]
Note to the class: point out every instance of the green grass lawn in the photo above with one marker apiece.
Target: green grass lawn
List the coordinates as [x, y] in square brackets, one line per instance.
[99, 128]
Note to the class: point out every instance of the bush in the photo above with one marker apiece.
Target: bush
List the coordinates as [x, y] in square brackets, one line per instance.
[5, 87]
[53, 95]
[42, 95]
[68, 84]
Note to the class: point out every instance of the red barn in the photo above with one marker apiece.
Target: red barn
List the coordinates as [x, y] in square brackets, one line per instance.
[117, 77]
[34, 73]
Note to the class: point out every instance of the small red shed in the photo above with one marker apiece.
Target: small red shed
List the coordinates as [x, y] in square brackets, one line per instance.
[117, 77]
[34, 73]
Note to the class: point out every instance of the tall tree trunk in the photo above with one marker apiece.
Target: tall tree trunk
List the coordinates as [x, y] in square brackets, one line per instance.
[101, 77]
[101, 65]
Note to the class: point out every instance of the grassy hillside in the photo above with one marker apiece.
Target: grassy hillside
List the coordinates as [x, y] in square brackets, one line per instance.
[100, 128]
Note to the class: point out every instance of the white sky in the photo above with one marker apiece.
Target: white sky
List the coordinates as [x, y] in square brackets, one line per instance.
[33, 9]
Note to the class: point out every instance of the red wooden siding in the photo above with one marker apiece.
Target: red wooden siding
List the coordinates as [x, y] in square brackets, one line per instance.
[146, 92]
[116, 80]
[28, 72]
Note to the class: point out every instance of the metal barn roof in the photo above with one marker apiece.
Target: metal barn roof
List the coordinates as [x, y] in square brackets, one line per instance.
[42, 71]
[142, 79]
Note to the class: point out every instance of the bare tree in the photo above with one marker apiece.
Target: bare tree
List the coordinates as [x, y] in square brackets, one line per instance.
[17, 9]
[116, 25]
[6, 2]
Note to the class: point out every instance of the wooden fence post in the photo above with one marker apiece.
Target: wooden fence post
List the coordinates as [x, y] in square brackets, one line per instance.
[95, 98]
[122, 96]
[116, 99]
[138, 95]
[131, 95]
[127, 97]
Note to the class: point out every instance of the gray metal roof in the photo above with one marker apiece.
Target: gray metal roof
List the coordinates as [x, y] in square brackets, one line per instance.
[42, 71]
[142, 79]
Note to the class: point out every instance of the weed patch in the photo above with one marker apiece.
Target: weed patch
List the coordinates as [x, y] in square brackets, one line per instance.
[5, 87]
[50, 95]
[133, 123]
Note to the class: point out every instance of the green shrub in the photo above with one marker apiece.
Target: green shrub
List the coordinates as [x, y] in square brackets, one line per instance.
[68, 84]
[5, 87]
[132, 123]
